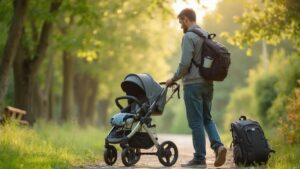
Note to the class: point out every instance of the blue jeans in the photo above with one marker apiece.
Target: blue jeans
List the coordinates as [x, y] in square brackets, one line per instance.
[198, 98]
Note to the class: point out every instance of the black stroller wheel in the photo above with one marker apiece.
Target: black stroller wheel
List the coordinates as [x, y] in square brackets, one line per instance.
[110, 155]
[137, 153]
[167, 153]
[130, 156]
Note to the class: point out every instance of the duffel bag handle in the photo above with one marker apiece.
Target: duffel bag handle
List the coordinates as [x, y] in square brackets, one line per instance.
[243, 118]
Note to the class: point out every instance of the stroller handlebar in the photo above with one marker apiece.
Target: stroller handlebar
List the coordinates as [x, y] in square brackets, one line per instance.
[128, 97]
[175, 88]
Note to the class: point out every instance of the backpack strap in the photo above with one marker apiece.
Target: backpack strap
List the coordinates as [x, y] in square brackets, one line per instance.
[200, 34]
[195, 63]
[243, 118]
[211, 35]
[197, 32]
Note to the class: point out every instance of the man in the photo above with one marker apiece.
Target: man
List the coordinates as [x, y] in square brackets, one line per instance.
[198, 94]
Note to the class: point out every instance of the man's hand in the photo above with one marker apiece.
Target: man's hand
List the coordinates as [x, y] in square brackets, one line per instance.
[169, 82]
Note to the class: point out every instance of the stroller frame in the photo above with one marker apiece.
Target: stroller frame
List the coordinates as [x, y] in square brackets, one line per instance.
[167, 151]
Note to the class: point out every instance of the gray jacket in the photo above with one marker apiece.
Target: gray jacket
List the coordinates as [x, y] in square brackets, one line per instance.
[191, 48]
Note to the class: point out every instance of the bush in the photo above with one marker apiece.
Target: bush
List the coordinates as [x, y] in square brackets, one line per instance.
[241, 103]
[290, 125]
[268, 89]
[265, 94]
[288, 72]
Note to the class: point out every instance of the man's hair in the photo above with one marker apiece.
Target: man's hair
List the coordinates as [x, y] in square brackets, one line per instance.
[189, 13]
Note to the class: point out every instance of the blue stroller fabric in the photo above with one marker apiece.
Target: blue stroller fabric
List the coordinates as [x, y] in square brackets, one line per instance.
[120, 118]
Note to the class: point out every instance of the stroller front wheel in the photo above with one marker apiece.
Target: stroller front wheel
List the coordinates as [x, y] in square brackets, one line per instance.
[130, 156]
[167, 153]
[110, 155]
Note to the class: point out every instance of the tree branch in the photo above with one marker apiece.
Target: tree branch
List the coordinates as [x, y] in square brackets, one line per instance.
[44, 37]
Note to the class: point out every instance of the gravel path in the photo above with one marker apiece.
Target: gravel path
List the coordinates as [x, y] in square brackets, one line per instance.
[185, 149]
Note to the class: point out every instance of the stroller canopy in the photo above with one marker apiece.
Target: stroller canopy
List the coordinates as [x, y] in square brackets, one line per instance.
[143, 84]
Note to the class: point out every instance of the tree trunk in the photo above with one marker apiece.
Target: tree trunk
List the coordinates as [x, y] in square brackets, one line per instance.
[85, 89]
[47, 94]
[265, 55]
[81, 97]
[38, 100]
[25, 68]
[68, 79]
[93, 90]
[49, 115]
[24, 86]
[103, 112]
[12, 43]
[42, 95]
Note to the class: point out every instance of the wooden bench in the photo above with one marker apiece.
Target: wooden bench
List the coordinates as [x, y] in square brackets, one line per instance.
[12, 113]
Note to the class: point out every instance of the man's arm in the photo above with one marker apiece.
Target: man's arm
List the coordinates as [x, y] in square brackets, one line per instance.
[188, 52]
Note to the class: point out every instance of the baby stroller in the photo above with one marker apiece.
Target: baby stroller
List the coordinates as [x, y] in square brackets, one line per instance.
[133, 128]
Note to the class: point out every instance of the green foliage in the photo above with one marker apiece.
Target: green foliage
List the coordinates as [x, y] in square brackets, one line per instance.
[5, 17]
[242, 102]
[286, 156]
[267, 92]
[271, 21]
[49, 146]
[288, 72]
[117, 38]
[290, 125]
[6, 11]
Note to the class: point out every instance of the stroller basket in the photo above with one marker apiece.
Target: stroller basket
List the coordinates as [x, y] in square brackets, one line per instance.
[139, 140]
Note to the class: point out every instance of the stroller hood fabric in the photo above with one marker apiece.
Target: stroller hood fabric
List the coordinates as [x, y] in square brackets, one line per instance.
[151, 88]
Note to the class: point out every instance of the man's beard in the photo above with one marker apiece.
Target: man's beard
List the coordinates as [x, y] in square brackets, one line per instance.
[185, 30]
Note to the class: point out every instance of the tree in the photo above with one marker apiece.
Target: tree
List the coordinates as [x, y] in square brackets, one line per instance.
[12, 43]
[107, 39]
[111, 54]
[271, 21]
[290, 126]
[99, 43]
[29, 59]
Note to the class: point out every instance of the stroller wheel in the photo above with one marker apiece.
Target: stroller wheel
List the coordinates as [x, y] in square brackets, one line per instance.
[110, 155]
[130, 156]
[167, 153]
[137, 155]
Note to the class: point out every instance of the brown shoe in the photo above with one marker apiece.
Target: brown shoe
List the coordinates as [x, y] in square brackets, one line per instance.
[220, 156]
[195, 163]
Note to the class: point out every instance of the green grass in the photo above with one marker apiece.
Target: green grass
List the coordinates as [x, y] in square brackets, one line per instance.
[287, 156]
[49, 146]
[52, 146]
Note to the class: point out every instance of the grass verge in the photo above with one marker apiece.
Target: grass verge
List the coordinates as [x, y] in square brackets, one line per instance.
[49, 146]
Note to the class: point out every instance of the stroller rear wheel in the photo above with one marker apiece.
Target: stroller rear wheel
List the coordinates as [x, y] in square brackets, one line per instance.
[110, 155]
[130, 156]
[167, 153]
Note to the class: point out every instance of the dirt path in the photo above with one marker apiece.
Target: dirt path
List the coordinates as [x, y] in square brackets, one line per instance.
[185, 149]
